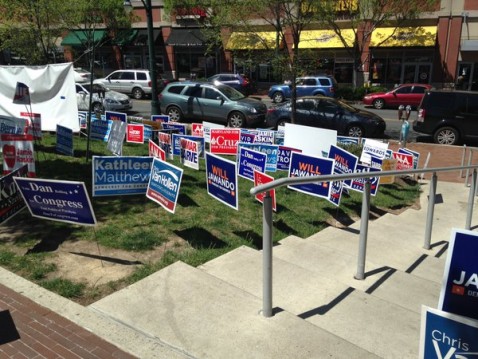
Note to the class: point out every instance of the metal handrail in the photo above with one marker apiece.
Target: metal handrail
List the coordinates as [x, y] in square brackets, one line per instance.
[360, 274]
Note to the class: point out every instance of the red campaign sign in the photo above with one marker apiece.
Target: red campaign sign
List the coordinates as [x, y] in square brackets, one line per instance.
[18, 151]
[404, 161]
[135, 133]
[262, 178]
[156, 151]
[197, 129]
[224, 141]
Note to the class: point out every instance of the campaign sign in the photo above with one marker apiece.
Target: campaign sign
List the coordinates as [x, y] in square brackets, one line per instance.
[358, 184]
[13, 125]
[345, 162]
[197, 129]
[272, 152]
[221, 179]
[264, 136]
[11, 201]
[446, 336]
[100, 130]
[347, 140]
[17, 151]
[64, 140]
[147, 133]
[283, 157]
[177, 143]
[416, 156]
[34, 124]
[155, 151]
[248, 136]
[224, 141]
[373, 148]
[160, 118]
[165, 142]
[116, 137]
[279, 138]
[262, 178]
[304, 165]
[336, 188]
[388, 164]
[207, 126]
[190, 153]
[249, 161]
[459, 292]
[404, 161]
[115, 116]
[180, 127]
[164, 183]
[63, 201]
[125, 175]
[135, 133]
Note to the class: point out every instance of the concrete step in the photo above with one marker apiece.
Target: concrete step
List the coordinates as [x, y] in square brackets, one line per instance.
[208, 318]
[368, 321]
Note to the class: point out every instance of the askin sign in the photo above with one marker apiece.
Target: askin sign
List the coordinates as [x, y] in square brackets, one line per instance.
[459, 292]
[120, 175]
[63, 201]
[164, 184]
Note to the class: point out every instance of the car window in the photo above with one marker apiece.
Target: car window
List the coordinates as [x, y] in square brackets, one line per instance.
[141, 76]
[231, 93]
[306, 104]
[176, 89]
[115, 75]
[127, 76]
[327, 106]
[310, 82]
[79, 89]
[324, 82]
[472, 105]
[419, 89]
[404, 90]
[193, 91]
[211, 94]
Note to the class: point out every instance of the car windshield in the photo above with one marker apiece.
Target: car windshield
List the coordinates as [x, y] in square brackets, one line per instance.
[230, 93]
[346, 106]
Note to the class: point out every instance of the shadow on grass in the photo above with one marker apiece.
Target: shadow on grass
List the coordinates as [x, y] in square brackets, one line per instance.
[284, 228]
[252, 237]
[185, 201]
[199, 238]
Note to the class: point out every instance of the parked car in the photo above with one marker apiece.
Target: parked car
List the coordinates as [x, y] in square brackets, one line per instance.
[192, 100]
[449, 116]
[81, 75]
[136, 83]
[305, 86]
[103, 99]
[407, 94]
[240, 82]
[328, 113]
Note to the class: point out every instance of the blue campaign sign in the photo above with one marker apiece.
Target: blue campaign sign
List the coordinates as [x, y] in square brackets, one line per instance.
[264, 136]
[446, 336]
[164, 184]
[180, 127]
[177, 144]
[63, 201]
[160, 118]
[64, 140]
[116, 116]
[345, 162]
[11, 201]
[347, 140]
[125, 175]
[358, 184]
[272, 152]
[250, 161]
[416, 156]
[221, 177]
[247, 136]
[459, 292]
[304, 165]
[100, 130]
[283, 157]
[148, 133]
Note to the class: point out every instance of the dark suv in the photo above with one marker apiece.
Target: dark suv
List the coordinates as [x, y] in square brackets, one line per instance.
[449, 116]
[323, 85]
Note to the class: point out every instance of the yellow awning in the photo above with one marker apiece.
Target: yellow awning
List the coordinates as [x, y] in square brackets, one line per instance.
[404, 36]
[262, 40]
[314, 39]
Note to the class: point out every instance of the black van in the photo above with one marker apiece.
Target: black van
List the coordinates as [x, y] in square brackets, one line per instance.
[449, 116]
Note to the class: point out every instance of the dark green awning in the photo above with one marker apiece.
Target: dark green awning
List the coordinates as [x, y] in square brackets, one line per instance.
[185, 37]
[80, 37]
[125, 37]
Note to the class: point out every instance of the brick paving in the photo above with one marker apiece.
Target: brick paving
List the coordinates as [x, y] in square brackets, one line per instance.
[28, 330]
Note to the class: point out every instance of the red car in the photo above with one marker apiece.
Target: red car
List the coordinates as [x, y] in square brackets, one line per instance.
[407, 94]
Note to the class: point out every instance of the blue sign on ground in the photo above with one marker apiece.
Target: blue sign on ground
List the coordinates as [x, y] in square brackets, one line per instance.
[11, 201]
[120, 175]
[100, 130]
[116, 116]
[271, 151]
[177, 144]
[64, 140]
[445, 336]
[181, 127]
[163, 187]
[62, 201]
[304, 165]
[358, 184]
[221, 177]
[345, 162]
[459, 292]
[250, 161]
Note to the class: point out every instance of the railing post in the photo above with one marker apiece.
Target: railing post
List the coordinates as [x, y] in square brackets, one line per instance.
[470, 159]
[463, 154]
[430, 211]
[363, 232]
[267, 256]
[471, 199]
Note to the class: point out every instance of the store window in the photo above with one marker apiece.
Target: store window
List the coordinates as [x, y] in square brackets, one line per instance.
[377, 70]
[343, 72]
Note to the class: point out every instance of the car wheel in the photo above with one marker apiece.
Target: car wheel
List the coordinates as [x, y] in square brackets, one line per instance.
[446, 136]
[174, 113]
[236, 120]
[137, 93]
[98, 107]
[355, 131]
[282, 122]
[378, 103]
[277, 97]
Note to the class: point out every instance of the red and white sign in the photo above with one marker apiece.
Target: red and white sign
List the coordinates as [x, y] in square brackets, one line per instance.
[17, 152]
[224, 141]
[262, 178]
[197, 129]
[135, 133]
[34, 123]
[404, 161]
[156, 151]
[190, 153]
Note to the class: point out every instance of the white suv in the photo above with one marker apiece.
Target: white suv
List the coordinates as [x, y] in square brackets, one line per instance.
[136, 83]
